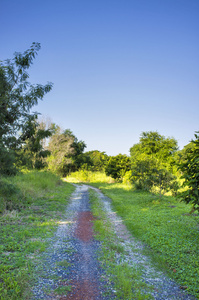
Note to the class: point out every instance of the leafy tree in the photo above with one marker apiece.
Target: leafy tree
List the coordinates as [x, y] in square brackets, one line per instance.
[181, 155]
[155, 145]
[66, 152]
[32, 153]
[96, 160]
[17, 97]
[152, 162]
[148, 174]
[142, 173]
[190, 170]
[165, 181]
[117, 166]
[7, 160]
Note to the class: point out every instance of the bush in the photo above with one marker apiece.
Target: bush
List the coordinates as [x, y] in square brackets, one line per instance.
[190, 170]
[11, 196]
[127, 178]
[117, 166]
[150, 175]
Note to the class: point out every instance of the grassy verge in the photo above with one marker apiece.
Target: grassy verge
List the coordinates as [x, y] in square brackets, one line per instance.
[126, 280]
[166, 226]
[33, 203]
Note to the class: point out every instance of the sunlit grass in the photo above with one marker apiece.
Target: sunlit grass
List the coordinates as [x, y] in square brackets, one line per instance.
[23, 230]
[88, 176]
[125, 279]
[165, 225]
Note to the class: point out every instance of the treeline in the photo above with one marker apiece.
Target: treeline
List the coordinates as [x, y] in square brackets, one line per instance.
[155, 164]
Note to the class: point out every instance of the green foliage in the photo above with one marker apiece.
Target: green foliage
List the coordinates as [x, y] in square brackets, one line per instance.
[117, 166]
[155, 144]
[11, 197]
[66, 152]
[32, 153]
[127, 178]
[17, 193]
[96, 161]
[148, 174]
[142, 173]
[182, 154]
[190, 170]
[7, 160]
[152, 163]
[17, 97]
[88, 176]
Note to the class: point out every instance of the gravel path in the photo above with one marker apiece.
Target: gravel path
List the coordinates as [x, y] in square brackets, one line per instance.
[71, 260]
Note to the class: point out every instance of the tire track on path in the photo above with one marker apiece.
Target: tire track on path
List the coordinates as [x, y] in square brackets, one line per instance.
[74, 245]
[85, 280]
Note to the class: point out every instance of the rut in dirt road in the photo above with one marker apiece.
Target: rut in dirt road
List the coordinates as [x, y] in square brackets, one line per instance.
[74, 245]
[86, 272]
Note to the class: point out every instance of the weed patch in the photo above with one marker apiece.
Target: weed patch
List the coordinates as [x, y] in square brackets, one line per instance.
[63, 290]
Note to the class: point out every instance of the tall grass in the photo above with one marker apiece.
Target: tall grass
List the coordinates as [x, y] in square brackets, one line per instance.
[89, 176]
[19, 191]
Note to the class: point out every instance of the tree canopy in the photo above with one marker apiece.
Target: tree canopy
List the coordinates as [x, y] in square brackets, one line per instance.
[66, 152]
[96, 160]
[152, 162]
[117, 166]
[32, 154]
[154, 145]
[190, 173]
[17, 97]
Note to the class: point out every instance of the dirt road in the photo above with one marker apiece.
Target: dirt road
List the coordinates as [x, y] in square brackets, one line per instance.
[71, 268]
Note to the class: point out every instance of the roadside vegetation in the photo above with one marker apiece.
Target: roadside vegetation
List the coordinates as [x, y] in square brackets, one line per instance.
[89, 176]
[33, 204]
[125, 280]
[167, 228]
[146, 187]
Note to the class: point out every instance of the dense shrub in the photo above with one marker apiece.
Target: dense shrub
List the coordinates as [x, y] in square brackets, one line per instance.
[190, 170]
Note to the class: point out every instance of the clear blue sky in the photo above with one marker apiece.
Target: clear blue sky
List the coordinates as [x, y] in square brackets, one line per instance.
[118, 67]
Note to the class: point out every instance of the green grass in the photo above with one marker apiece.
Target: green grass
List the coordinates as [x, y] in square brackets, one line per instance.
[63, 263]
[88, 176]
[127, 281]
[171, 233]
[32, 216]
[63, 290]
